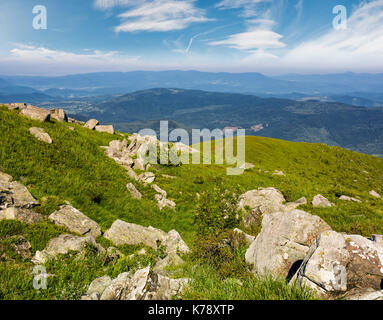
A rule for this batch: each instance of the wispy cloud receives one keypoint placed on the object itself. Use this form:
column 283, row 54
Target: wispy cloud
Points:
column 155, row 15
column 249, row 8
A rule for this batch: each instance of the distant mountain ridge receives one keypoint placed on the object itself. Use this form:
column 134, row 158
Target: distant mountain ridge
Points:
column 356, row 128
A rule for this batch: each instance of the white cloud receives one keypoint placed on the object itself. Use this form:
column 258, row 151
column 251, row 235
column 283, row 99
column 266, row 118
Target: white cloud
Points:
column 155, row 15
column 253, row 39
column 250, row 7
column 38, row 59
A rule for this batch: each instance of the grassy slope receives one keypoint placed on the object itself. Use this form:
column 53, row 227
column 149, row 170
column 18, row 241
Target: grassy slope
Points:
column 74, row 168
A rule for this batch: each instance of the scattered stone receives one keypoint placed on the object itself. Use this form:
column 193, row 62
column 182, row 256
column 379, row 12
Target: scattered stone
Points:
column 107, row 129
column 75, row 221
column 40, row 135
column 278, row 173
column 133, row 191
column 144, row 284
column 62, row 245
column 247, row 166
column 374, row 194
column 159, row 190
column 36, row 113
column 147, row 177
column 171, row 259
column 21, row 197
column 128, row 233
column 59, row 115
column 16, row 106
column 138, row 164
column 24, row 215
column 337, row 263
column 91, row 124
column 163, row 202
column 284, row 241
column 347, row 198
column 321, row 202
column 174, row 243
column 168, row 176
column 98, row 286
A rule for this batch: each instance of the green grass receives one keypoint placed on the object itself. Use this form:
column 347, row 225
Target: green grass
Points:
column 75, row 169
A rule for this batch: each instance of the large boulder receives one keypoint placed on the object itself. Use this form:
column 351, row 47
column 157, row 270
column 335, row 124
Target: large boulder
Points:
column 40, row 135
column 36, row 113
column 105, row 128
column 62, row 245
column 283, row 242
column 24, row 215
column 21, row 197
column 128, row 233
column 91, row 124
column 174, row 243
column 338, row 264
column 75, row 221
column 264, row 201
column 144, row 284
column 59, row 115
column 16, row 106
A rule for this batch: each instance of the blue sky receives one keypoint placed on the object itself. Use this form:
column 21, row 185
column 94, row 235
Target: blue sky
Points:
column 268, row 36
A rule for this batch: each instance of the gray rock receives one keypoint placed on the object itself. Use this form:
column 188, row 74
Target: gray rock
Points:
column 62, row 245
column 36, row 113
column 16, row 106
column 98, row 286
column 283, row 242
column 347, row 198
column 248, row 238
column 171, row 259
column 374, row 194
column 21, row 197
column 247, row 166
column 128, row 233
column 19, row 214
column 147, row 177
column 91, row 124
column 117, row 287
column 133, row 191
column 107, row 129
column 40, row 135
column 138, row 164
column 321, row 201
column 59, row 115
column 163, row 202
column 337, row 263
column 174, row 243
column 75, row 221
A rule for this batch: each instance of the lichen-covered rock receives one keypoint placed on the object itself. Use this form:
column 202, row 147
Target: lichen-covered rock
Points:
column 338, row 263
column 321, row 202
column 21, row 197
column 133, row 191
column 98, row 286
column 63, row 244
column 40, row 135
column 144, row 284
column 147, row 177
column 24, row 215
column 59, row 115
column 128, row 233
column 105, row 128
column 174, row 243
column 283, row 242
column 36, row 113
column 75, row 221
column 91, row 124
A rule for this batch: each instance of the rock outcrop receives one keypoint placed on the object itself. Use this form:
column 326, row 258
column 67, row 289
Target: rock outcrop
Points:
column 75, row 221
column 62, row 245
column 337, row 264
column 40, row 135
column 91, row 124
column 105, row 128
column 36, row 113
column 264, row 201
column 128, row 233
column 284, row 241
column 144, row 284
column 59, row 115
